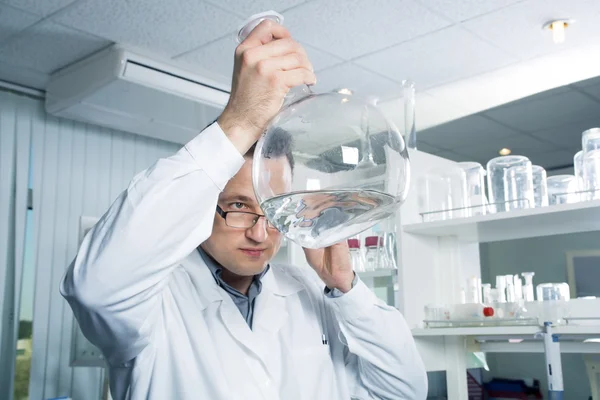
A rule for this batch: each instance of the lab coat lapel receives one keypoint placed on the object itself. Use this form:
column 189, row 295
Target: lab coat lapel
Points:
column 270, row 311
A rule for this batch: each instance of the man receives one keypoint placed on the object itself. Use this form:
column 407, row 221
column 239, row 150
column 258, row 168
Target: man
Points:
column 174, row 282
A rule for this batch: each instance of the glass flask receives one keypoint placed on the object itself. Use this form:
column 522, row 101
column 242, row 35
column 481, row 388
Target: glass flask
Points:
column 563, row 189
column 356, row 256
column 540, row 186
column 350, row 166
column 475, row 175
column 510, row 183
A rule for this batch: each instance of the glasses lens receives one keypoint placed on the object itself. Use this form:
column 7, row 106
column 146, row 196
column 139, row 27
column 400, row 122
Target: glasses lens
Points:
column 241, row 220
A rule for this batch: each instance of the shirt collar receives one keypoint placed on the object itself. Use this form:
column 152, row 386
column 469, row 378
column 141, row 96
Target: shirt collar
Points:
column 217, row 270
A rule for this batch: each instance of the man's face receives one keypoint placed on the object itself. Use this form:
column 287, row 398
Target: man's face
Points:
column 246, row 252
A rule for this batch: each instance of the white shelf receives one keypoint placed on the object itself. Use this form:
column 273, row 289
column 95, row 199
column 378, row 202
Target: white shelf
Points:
column 517, row 224
column 507, row 331
column 378, row 273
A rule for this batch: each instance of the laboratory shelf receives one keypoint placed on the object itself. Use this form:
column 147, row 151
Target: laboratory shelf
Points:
column 516, row 224
column 378, row 273
column 509, row 331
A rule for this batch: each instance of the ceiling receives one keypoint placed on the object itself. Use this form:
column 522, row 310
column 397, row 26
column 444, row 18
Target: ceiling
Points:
column 369, row 45
column 545, row 127
column 466, row 57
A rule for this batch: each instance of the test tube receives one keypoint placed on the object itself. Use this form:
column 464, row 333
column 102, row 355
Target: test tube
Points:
column 486, row 288
column 518, row 288
column 510, row 289
column 501, row 287
column 528, row 287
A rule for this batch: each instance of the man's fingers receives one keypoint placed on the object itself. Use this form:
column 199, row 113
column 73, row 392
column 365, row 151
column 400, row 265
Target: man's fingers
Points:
column 264, row 33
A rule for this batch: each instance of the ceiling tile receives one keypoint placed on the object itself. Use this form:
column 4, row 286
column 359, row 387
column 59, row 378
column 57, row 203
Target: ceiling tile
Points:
column 519, row 144
column 547, row 112
column 518, row 28
column 353, row 28
column 23, row 76
column 451, row 156
column 169, row 28
column 588, row 82
column 13, row 21
column 437, row 58
column 47, row 46
column 468, row 130
column 553, row 159
column 360, row 80
column 459, row 11
column 218, row 56
column 569, row 134
column 247, row 8
column 427, row 148
column 39, row 7
column 592, row 90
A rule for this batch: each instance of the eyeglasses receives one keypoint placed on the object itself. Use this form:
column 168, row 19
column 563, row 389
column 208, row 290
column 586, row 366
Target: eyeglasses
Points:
column 242, row 219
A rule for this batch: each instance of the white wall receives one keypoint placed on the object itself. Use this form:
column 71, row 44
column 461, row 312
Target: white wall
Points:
column 78, row 169
column 546, row 256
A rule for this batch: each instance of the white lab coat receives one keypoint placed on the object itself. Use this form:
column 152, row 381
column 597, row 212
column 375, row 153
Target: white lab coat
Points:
column 142, row 293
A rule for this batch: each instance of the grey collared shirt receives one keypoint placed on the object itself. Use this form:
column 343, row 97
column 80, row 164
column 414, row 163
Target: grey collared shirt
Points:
column 244, row 303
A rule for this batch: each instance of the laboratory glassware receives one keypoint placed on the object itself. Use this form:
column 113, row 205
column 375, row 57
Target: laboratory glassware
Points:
column 356, row 256
column 509, row 190
column 351, row 163
column 475, row 176
column 528, row 286
column 443, row 194
column 563, row 189
column 540, row 186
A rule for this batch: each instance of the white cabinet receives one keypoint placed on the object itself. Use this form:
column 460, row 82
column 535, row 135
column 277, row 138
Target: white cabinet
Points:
column 437, row 257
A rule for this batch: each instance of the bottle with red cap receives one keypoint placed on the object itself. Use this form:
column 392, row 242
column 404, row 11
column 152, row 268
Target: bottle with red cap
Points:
column 373, row 257
column 356, row 256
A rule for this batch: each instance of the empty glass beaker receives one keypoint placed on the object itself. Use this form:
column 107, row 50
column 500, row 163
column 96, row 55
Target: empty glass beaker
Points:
column 373, row 256
column 475, row 176
column 590, row 173
column 443, row 194
column 562, row 189
column 329, row 165
column 510, row 183
column 590, row 140
column 540, row 186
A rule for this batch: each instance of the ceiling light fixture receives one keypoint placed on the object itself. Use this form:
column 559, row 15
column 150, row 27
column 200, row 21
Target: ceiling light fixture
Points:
column 504, row 151
column 558, row 27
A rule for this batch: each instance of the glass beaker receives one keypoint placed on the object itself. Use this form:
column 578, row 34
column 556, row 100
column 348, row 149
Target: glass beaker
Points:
column 475, row 176
column 590, row 172
column 590, row 140
column 562, row 189
column 509, row 190
column 329, row 165
column 443, row 194
column 540, row 186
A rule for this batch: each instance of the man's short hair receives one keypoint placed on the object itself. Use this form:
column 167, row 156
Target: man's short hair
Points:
column 278, row 144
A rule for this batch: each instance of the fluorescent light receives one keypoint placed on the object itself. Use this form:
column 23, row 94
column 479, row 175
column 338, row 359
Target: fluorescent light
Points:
column 350, row 155
column 592, row 340
column 558, row 31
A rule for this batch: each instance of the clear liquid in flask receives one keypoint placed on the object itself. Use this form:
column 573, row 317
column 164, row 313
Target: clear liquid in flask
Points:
column 316, row 219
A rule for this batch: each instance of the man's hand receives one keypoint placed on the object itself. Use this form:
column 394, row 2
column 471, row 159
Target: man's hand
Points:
column 333, row 265
column 268, row 63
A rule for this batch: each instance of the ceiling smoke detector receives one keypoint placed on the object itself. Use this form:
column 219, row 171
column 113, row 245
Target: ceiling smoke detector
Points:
column 558, row 27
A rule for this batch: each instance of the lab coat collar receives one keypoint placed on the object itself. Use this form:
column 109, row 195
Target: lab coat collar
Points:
column 280, row 281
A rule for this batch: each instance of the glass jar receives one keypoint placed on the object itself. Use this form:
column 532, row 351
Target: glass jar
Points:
column 563, row 189
column 510, row 183
column 356, row 257
column 330, row 165
column 373, row 255
column 540, row 186
column 475, row 176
